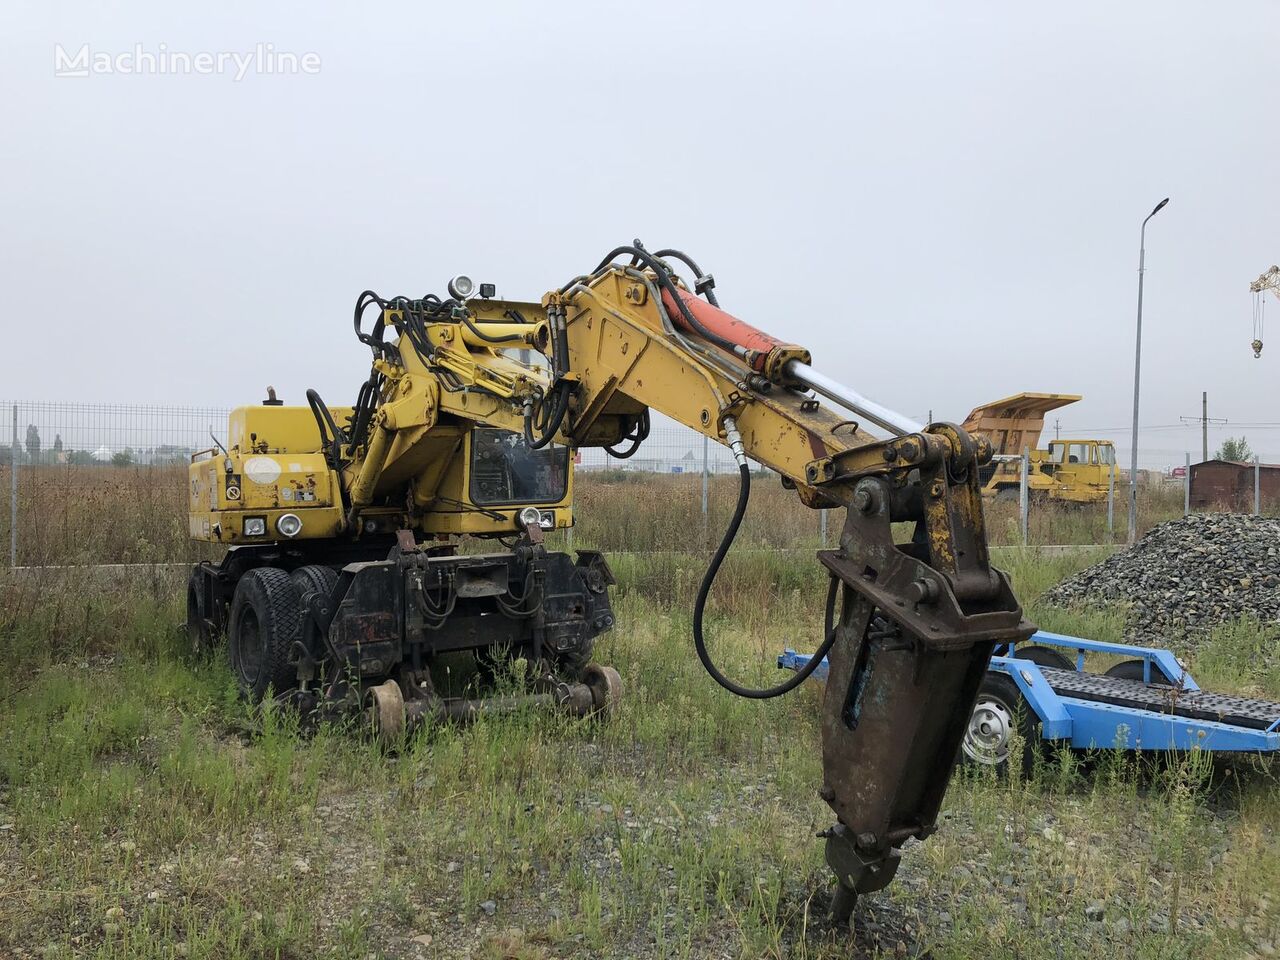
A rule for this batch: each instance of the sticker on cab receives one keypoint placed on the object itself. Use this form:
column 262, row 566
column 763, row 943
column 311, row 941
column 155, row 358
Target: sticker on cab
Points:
column 264, row 470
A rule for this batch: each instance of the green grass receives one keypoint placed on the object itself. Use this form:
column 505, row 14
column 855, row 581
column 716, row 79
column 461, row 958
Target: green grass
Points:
column 144, row 812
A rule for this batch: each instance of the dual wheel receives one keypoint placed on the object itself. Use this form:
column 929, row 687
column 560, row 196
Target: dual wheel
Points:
column 263, row 623
column 1002, row 717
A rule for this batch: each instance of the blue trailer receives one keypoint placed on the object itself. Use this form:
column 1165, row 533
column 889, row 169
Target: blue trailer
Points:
column 1147, row 701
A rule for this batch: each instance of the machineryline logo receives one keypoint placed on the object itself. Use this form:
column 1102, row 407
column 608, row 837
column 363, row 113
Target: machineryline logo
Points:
column 262, row 60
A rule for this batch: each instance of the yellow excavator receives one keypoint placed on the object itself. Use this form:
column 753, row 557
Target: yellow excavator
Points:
column 347, row 575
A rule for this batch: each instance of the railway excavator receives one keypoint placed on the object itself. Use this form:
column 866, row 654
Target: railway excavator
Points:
column 365, row 543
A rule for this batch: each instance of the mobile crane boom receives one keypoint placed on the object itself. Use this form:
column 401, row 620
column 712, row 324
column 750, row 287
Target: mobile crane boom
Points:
column 450, row 407
column 1269, row 280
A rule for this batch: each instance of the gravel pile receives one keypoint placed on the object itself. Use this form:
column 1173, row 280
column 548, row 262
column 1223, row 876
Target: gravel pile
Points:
column 1186, row 577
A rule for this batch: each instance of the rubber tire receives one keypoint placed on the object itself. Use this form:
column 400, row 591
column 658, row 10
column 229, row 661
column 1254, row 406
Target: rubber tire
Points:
column 267, row 603
column 1001, row 688
column 1043, row 656
column 201, row 636
column 314, row 578
column 1132, row 670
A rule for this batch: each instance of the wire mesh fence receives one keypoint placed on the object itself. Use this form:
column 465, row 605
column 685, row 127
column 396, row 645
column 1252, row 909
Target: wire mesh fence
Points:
column 107, row 483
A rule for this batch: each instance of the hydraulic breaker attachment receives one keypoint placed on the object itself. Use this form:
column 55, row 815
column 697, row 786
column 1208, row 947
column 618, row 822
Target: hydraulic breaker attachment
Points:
column 917, row 626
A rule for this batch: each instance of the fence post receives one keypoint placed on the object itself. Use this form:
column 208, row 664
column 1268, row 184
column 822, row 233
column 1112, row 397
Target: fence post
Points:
column 1257, row 486
column 822, row 527
column 1186, row 488
column 706, row 445
column 1023, row 499
column 13, row 493
column 1111, row 500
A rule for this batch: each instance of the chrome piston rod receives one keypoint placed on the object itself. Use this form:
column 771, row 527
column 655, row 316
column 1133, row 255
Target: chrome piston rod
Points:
column 883, row 417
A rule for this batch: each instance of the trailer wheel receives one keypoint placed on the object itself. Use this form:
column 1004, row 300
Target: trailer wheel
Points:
column 1132, row 670
column 999, row 712
column 265, row 616
column 201, row 631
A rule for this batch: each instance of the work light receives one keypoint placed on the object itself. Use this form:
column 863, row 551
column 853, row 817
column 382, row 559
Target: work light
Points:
column 461, row 287
column 289, row 525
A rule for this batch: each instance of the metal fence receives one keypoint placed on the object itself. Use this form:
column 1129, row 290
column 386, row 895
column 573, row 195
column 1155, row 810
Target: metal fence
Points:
column 106, row 482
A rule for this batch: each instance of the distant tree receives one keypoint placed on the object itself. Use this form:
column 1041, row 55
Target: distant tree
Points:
column 57, row 443
column 1235, row 448
column 80, row 458
column 33, row 442
column 123, row 458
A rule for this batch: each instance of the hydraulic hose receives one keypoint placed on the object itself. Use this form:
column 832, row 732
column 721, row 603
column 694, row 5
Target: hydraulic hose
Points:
column 636, row 435
column 699, row 607
column 638, row 253
column 330, row 435
column 703, row 283
column 560, row 406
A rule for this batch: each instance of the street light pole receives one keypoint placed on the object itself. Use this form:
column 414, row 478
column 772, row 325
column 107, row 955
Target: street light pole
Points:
column 1137, row 372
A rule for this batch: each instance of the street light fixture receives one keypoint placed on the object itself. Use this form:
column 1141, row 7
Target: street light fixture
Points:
column 1137, row 371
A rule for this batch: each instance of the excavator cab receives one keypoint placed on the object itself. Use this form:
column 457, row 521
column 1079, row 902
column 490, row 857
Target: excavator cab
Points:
column 505, row 471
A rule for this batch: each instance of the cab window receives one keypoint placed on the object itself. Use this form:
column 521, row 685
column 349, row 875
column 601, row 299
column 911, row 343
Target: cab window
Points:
column 505, row 470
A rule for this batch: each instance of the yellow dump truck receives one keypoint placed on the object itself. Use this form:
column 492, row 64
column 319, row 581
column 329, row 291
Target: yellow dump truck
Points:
column 1067, row 471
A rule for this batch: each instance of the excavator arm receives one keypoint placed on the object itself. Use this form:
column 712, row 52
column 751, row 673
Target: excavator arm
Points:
column 917, row 620
column 910, row 625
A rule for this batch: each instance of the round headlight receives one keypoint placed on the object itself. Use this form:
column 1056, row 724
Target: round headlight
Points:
column 461, row 287
column 530, row 517
column 289, row 525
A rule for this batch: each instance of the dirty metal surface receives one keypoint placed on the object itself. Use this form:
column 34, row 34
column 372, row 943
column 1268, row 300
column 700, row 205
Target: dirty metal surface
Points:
column 1195, row 705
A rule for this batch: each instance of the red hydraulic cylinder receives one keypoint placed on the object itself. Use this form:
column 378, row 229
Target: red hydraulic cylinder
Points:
column 725, row 325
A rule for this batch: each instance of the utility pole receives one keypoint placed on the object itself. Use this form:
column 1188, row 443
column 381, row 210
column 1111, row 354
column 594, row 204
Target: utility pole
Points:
column 1137, row 371
column 1204, row 425
column 1205, row 420
column 1057, row 429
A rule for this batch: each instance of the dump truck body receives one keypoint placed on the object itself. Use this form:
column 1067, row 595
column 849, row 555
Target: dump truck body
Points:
column 1068, row 471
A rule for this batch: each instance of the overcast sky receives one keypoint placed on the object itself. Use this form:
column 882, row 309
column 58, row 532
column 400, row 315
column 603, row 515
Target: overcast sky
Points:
column 942, row 201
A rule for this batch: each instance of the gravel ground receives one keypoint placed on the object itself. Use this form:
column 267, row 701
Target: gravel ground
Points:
column 1187, row 577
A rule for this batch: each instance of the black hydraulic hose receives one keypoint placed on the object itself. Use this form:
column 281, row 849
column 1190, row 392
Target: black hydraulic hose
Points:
column 638, row 252
column 330, row 435
column 699, row 605
column 374, row 338
column 509, row 338
column 698, row 275
column 636, row 436
column 560, row 406
column 366, row 406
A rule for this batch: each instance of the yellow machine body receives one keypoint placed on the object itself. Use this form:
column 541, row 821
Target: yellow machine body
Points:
column 274, row 466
